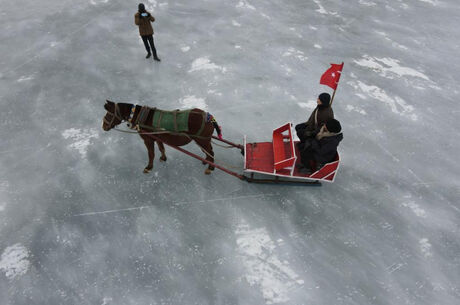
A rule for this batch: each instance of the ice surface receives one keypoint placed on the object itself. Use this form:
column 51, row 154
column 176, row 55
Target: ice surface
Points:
column 81, row 224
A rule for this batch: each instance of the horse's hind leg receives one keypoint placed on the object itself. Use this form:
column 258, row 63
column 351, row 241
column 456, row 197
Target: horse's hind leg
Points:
column 207, row 149
column 161, row 147
column 150, row 144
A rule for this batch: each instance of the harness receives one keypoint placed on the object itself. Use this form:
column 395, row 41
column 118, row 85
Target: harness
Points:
column 163, row 121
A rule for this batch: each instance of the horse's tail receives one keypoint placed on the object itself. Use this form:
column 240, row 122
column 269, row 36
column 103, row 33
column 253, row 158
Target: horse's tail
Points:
column 210, row 118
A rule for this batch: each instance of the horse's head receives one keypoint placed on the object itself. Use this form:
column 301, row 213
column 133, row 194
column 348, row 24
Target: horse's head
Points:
column 113, row 117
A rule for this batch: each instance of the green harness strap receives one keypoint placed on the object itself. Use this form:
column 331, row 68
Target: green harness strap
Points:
column 143, row 114
column 203, row 121
column 175, row 121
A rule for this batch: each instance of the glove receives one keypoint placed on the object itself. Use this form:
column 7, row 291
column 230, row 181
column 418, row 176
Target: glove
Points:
column 144, row 14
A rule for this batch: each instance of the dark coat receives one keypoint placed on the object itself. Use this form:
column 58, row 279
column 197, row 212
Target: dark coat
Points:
column 145, row 28
column 318, row 117
column 322, row 151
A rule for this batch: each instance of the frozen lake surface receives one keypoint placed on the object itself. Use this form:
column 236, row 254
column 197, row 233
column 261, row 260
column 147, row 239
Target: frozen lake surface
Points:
column 81, row 224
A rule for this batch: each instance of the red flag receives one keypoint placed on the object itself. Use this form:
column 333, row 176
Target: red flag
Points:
column 331, row 76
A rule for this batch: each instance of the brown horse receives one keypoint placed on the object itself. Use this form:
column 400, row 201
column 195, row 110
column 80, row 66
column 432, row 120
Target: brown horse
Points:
column 198, row 131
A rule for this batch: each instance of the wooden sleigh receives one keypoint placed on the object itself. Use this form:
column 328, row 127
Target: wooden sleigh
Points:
column 274, row 162
column 277, row 161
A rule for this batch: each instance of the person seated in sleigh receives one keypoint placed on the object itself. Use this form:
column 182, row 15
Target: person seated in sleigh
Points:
column 322, row 148
column 318, row 117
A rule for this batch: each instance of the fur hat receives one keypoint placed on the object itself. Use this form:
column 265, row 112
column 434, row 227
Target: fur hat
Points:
column 141, row 7
column 333, row 126
column 325, row 99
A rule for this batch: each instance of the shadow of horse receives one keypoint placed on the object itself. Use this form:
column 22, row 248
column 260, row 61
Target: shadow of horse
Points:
column 200, row 128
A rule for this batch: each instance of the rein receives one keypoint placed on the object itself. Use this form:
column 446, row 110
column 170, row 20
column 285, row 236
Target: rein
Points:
column 160, row 132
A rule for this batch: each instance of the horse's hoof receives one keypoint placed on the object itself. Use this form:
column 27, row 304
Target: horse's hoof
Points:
column 146, row 171
column 207, row 171
column 163, row 159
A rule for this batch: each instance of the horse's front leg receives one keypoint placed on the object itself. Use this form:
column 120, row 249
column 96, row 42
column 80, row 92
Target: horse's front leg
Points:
column 207, row 149
column 161, row 147
column 149, row 143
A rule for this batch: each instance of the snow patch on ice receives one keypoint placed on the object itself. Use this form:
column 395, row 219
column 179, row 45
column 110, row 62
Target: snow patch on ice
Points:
column 4, row 184
column 387, row 67
column 265, row 16
column 287, row 69
column 425, row 247
column 404, row 6
column 96, row 2
column 2, row 206
column 106, row 301
column 152, row 4
column 245, row 4
column 318, row 46
column 432, row 2
column 321, row 9
column 295, row 53
column 309, row 105
column 24, row 78
column 214, row 92
column 264, row 269
column 351, row 108
column 185, row 49
column 237, row 47
column 235, row 23
column 203, row 63
column 81, row 138
column 292, row 97
column 191, row 101
column 394, row 44
column 14, row 261
column 314, row 28
column 367, row 3
column 415, row 208
column 397, row 104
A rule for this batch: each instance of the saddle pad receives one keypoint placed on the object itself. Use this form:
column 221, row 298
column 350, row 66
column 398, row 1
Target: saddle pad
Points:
column 176, row 120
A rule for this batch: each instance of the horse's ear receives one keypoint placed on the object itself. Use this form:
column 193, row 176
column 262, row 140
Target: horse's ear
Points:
column 107, row 104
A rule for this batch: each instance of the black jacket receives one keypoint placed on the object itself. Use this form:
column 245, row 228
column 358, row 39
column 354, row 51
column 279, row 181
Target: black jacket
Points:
column 324, row 150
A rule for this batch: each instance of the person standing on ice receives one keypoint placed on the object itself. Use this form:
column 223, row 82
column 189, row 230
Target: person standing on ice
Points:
column 142, row 19
column 322, row 113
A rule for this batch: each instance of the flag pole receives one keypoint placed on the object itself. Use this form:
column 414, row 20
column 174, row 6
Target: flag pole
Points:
column 333, row 94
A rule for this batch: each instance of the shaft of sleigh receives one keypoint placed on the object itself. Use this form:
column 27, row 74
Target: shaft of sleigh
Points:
column 201, row 159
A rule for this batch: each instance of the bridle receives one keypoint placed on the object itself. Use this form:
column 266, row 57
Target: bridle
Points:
column 114, row 115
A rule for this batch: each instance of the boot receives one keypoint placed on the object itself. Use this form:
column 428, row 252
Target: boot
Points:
column 148, row 55
column 156, row 58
